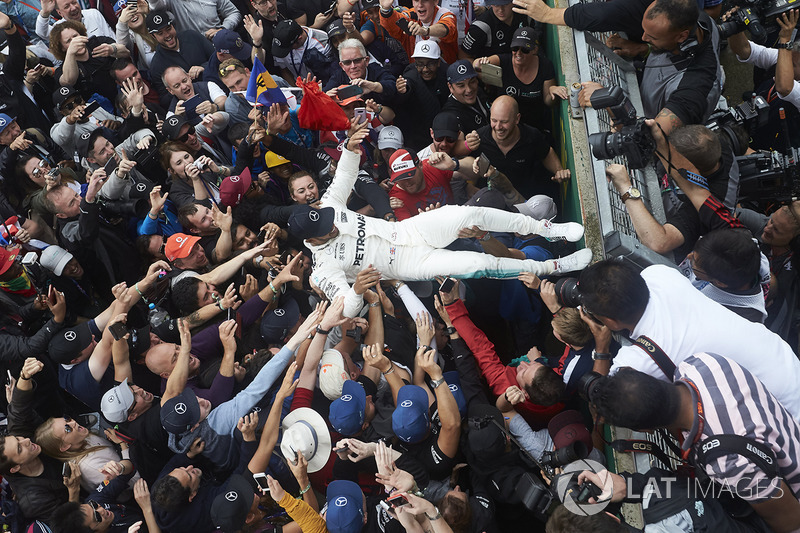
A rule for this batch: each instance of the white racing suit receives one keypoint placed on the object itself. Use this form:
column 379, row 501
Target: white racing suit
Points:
column 410, row 250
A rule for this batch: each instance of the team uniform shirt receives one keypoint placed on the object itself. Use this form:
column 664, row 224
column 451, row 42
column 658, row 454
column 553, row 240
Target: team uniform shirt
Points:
column 489, row 35
column 529, row 96
column 464, row 10
column 470, row 117
column 437, row 190
column 294, row 62
column 683, row 322
column 521, row 164
column 448, row 44
column 736, row 403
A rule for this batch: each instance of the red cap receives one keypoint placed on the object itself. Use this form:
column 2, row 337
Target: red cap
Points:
column 567, row 427
column 233, row 188
column 7, row 257
column 179, row 245
column 402, row 165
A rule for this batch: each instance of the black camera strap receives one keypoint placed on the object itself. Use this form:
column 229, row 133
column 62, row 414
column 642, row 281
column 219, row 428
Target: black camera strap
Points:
column 717, row 446
column 659, row 357
column 642, row 446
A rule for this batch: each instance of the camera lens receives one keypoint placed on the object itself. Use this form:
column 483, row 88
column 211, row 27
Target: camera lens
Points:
column 587, row 385
column 567, row 292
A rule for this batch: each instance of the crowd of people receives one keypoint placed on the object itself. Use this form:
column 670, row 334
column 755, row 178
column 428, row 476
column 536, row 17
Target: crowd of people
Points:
column 218, row 317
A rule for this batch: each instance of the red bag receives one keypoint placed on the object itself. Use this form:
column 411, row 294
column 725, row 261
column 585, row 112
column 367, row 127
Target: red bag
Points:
column 318, row 111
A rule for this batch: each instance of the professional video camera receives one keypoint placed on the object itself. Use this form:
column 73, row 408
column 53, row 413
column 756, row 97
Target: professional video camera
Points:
column 633, row 140
column 757, row 16
column 768, row 178
column 738, row 123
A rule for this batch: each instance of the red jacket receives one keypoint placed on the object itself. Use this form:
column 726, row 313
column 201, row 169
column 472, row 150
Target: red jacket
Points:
column 499, row 376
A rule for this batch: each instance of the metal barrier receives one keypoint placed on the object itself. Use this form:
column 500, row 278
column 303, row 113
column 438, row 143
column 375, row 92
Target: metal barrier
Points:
column 597, row 62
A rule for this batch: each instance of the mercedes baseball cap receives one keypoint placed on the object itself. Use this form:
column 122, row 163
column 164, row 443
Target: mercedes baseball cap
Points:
column 66, row 345
column 348, row 412
column 460, row 70
column 117, row 402
column 335, row 29
column 402, row 165
column 158, row 19
column 228, row 42
column 172, row 127
column 55, row 258
column 276, row 324
column 410, row 419
column 5, row 121
column 284, row 36
column 181, row 413
column 485, row 437
column 233, row 188
column 7, row 258
column 307, row 222
column 390, row 137
column 345, row 507
column 427, row 49
column 445, row 125
column 62, row 94
column 454, row 383
column 525, row 37
column 366, row 4
column 230, row 508
column 84, row 142
column 568, row 427
column 179, row 245
column 540, row 207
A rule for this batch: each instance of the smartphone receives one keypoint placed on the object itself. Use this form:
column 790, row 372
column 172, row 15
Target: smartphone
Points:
column 91, row 107
column 345, row 447
column 447, row 285
column 230, row 313
column 285, row 258
column 110, row 166
column 349, row 92
column 261, row 236
column 492, row 74
column 483, row 165
column 397, row 501
column 66, row 470
column 330, row 9
column 402, row 23
column 10, row 377
column 191, row 104
column 261, row 481
column 118, row 330
column 361, row 113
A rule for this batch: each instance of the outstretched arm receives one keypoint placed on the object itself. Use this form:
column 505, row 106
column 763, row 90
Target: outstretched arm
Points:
column 180, row 374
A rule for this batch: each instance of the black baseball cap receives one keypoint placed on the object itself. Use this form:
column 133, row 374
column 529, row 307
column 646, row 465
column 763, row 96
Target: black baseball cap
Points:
column 284, row 36
column 445, row 125
column 336, row 28
column 525, row 37
column 158, row 19
column 460, row 70
column 172, row 126
column 62, row 94
column 307, row 222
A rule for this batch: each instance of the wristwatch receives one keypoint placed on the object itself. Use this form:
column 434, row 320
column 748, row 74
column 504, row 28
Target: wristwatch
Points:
column 449, row 331
column 792, row 46
column 599, row 356
column 436, row 382
column 631, row 194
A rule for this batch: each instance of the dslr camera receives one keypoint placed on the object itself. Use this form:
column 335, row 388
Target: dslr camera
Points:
column 633, row 140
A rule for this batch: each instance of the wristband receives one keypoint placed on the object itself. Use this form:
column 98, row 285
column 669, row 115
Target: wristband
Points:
column 437, row 516
column 376, row 304
column 486, row 237
column 308, row 488
column 388, row 371
column 322, row 331
column 140, row 294
column 221, row 307
column 457, row 163
column 23, row 378
column 558, row 310
column 274, row 291
column 467, row 145
column 599, row 356
column 386, row 13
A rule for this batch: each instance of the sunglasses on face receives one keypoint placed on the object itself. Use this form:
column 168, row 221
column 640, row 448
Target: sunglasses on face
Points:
column 67, row 427
column 95, row 511
column 348, row 62
column 185, row 137
column 445, row 139
column 69, row 106
column 525, row 51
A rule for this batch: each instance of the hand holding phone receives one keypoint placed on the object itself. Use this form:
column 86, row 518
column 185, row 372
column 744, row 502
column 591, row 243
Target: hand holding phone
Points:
column 261, row 480
column 118, row 330
column 90, row 108
column 397, row 501
column 447, row 285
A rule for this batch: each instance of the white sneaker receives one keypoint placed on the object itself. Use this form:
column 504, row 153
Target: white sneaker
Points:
column 577, row 261
column 569, row 231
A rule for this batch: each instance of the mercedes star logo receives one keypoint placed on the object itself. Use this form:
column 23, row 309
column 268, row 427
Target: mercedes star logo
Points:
column 425, row 48
column 313, row 216
column 64, row 90
column 70, row 335
column 231, row 496
column 172, row 121
column 406, row 403
column 2, row 122
column 346, row 398
column 180, row 408
column 234, row 179
column 141, row 187
column 85, row 135
column 462, row 69
column 341, row 501
column 280, row 311
column 157, row 19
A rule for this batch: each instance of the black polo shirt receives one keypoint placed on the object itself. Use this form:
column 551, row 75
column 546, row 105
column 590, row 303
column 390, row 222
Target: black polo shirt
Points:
column 470, row 117
column 522, row 164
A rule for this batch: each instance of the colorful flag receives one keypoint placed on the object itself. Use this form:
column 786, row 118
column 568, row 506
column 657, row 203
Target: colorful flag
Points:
column 262, row 89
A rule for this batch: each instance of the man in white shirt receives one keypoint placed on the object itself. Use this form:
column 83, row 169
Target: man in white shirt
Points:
column 95, row 24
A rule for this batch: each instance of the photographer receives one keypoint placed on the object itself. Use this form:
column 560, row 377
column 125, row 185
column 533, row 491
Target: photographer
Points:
column 750, row 445
column 650, row 306
column 784, row 62
column 682, row 77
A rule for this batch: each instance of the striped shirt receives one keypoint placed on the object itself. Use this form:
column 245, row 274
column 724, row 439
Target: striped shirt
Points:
column 736, row 403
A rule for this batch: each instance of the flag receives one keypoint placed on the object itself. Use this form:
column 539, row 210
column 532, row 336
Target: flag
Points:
column 262, row 89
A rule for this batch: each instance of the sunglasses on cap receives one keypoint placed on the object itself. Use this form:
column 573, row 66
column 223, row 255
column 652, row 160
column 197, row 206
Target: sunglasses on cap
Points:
column 445, row 139
column 348, row 62
column 520, row 49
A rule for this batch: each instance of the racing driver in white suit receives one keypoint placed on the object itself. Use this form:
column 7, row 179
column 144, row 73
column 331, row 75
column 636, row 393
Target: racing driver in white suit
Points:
column 344, row 242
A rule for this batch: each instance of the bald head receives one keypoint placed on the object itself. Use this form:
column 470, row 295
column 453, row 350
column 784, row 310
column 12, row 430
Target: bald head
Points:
column 504, row 118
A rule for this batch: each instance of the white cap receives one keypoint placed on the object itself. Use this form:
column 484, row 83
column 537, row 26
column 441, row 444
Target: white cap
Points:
column 540, row 207
column 332, row 374
column 55, row 258
column 428, row 49
column 390, row 137
column 306, row 432
column 116, row 402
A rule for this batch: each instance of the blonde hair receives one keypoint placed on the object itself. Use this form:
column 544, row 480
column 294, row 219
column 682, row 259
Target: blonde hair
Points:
column 571, row 327
column 51, row 445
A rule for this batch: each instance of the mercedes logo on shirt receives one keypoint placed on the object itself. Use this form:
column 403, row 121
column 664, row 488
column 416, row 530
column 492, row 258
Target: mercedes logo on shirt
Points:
column 85, row 135
column 231, row 496
column 279, row 312
column 70, row 335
